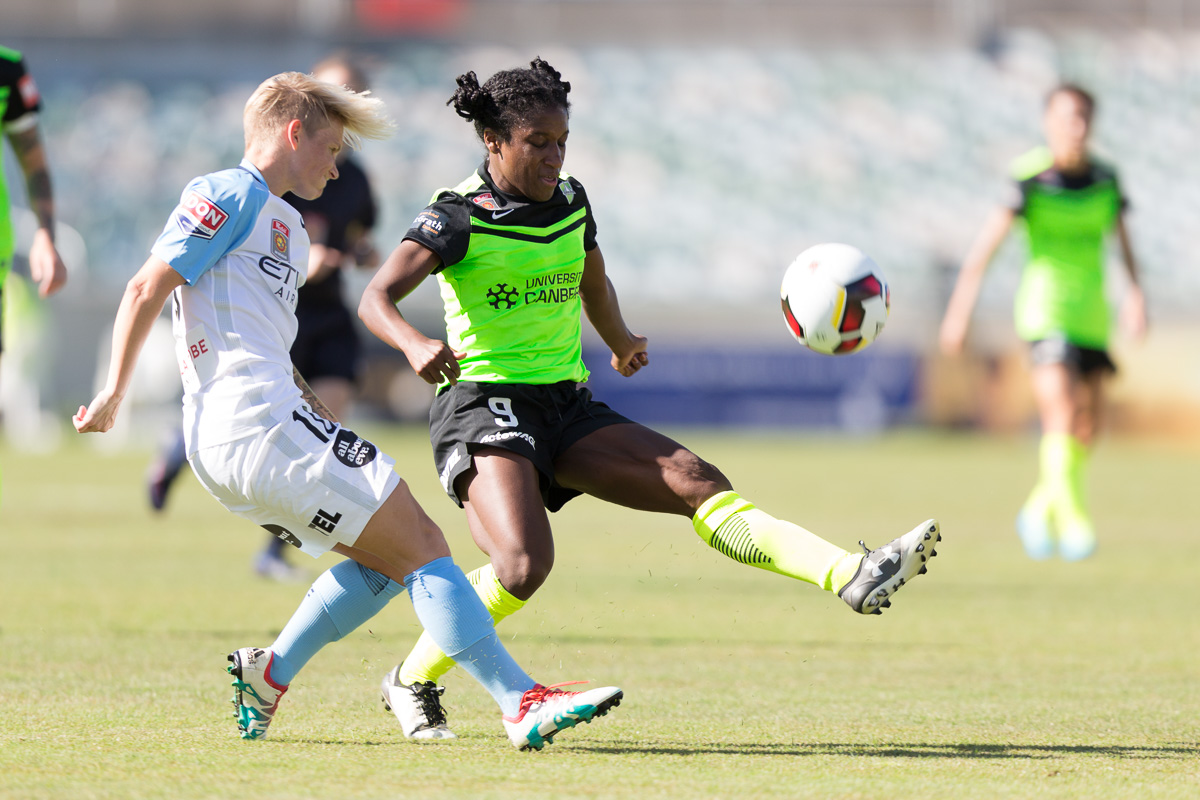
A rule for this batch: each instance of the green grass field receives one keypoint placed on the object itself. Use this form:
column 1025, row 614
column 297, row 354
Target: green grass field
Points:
column 991, row 677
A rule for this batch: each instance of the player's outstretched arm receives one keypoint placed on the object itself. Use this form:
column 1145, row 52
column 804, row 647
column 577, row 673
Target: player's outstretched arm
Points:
column 143, row 301
column 604, row 312
column 45, row 265
column 966, row 289
column 403, row 271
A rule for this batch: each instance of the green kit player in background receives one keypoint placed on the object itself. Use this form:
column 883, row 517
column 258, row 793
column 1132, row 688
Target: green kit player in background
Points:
column 1069, row 203
column 19, row 107
column 514, row 435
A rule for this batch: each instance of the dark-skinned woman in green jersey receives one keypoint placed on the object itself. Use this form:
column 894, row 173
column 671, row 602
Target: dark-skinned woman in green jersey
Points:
column 514, row 435
column 1069, row 203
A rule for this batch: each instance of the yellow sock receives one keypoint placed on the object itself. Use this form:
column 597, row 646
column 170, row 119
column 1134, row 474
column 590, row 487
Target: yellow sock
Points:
column 426, row 661
column 1064, row 463
column 1040, row 502
column 735, row 527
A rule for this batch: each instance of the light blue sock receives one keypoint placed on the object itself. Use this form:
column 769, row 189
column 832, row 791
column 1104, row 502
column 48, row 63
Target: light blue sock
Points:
column 456, row 619
column 341, row 598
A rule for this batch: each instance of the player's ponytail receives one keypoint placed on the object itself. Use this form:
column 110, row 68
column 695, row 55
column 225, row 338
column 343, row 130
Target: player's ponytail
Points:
column 471, row 102
column 510, row 97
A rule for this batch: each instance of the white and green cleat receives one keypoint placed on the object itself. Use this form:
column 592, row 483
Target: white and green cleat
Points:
column 884, row 570
column 547, row 710
column 256, row 696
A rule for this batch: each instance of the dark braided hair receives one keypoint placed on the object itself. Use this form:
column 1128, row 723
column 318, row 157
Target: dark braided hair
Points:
column 510, row 98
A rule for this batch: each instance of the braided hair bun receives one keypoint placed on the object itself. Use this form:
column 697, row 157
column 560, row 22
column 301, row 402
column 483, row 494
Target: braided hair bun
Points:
column 509, row 98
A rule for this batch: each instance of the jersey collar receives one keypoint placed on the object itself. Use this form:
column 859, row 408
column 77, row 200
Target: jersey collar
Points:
column 509, row 198
column 253, row 170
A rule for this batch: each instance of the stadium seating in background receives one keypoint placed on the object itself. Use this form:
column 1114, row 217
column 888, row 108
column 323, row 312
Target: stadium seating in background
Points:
column 765, row 388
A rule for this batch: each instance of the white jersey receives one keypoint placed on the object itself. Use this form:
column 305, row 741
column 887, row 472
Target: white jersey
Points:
column 234, row 321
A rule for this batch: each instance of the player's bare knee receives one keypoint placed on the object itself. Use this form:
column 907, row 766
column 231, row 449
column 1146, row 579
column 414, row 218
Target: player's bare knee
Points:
column 696, row 479
column 402, row 533
column 522, row 573
column 428, row 537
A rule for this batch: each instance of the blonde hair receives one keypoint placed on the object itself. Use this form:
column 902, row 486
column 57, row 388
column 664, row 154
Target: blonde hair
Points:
column 293, row 95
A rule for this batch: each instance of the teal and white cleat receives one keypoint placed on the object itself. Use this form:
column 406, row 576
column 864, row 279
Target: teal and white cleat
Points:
column 546, row 710
column 256, row 696
column 885, row 569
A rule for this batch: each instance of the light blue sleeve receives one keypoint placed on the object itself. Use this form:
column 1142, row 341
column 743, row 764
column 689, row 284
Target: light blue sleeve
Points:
column 215, row 215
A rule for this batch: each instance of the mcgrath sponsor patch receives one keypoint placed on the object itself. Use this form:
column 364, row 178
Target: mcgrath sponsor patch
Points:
column 429, row 223
column 279, row 240
column 353, row 450
column 199, row 216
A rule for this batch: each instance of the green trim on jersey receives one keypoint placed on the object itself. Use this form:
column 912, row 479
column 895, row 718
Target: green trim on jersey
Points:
column 7, row 239
column 512, row 303
column 1062, row 287
column 8, row 242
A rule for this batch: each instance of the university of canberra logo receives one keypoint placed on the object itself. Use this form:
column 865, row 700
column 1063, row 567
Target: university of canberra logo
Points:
column 502, row 296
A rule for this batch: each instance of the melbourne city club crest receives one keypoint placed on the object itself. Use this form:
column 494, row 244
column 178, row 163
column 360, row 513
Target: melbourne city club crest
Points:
column 279, row 240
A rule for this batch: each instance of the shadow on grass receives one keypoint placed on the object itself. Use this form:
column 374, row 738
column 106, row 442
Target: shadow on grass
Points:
column 966, row 750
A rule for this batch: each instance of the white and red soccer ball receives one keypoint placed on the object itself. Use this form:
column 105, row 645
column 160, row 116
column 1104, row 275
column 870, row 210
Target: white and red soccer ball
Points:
column 835, row 299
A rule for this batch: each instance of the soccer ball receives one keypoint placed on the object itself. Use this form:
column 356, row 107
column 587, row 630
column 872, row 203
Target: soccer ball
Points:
column 835, row 299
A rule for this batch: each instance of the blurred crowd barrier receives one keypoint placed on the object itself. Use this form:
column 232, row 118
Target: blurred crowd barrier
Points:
column 709, row 167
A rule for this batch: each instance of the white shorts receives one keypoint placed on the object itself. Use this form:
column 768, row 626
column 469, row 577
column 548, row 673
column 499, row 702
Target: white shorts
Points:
column 308, row 481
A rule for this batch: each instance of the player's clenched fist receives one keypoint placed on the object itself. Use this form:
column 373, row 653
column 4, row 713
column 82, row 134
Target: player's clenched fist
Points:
column 99, row 416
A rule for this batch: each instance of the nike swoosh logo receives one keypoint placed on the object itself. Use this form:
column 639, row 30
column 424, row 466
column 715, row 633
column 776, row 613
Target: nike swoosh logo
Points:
column 499, row 214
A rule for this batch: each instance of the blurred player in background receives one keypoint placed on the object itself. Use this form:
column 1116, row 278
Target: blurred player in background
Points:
column 265, row 446
column 1069, row 203
column 339, row 224
column 514, row 248
column 19, row 106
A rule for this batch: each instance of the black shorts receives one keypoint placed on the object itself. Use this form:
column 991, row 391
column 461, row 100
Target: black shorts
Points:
column 539, row 422
column 326, row 344
column 1084, row 361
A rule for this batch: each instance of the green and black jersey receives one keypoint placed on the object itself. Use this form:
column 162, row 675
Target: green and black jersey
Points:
column 510, row 277
column 18, row 98
column 1067, row 218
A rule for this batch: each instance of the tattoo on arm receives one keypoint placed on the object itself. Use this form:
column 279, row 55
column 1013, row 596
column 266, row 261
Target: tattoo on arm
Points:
column 27, row 146
column 311, row 398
